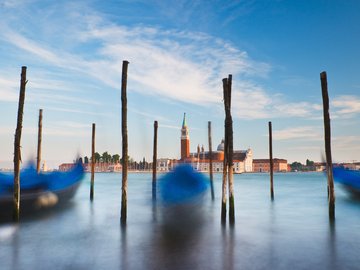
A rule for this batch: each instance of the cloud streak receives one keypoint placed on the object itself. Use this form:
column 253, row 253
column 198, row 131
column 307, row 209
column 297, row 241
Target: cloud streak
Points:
column 303, row 133
column 174, row 65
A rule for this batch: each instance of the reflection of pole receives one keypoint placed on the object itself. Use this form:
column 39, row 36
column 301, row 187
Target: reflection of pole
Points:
column 17, row 150
column 327, row 131
column 271, row 163
column 38, row 161
column 210, row 162
column 92, row 162
column 154, row 161
column 124, row 143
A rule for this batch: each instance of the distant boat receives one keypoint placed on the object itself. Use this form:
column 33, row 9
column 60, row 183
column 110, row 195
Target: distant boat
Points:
column 39, row 191
column 350, row 179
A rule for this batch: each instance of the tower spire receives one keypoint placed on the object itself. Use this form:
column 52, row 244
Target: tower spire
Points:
column 185, row 140
column 184, row 121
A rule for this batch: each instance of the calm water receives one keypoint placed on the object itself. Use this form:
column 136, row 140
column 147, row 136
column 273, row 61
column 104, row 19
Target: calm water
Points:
column 292, row 232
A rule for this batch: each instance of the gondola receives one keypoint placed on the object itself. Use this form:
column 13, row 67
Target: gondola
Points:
column 350, row 180
column 39, row 191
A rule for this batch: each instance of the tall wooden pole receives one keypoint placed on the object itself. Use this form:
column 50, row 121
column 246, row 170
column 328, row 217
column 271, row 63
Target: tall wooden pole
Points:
column 17, row 149
column 327, row 131
column 271, row 163
column 154, row 161
column 225, row 164
column 229, row 124
column 38, row 160
column 210, row 162
column 124, row 143
column 92, row 162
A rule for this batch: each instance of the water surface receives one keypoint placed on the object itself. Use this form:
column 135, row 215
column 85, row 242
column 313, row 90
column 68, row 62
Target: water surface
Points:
column 291, row 232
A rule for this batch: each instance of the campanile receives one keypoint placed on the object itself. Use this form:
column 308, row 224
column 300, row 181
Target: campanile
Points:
column 185, row 140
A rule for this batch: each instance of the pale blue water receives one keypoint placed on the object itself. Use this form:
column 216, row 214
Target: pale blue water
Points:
column 292, row 232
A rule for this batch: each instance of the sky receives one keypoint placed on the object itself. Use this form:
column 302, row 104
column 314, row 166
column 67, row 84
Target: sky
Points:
column 178, row 53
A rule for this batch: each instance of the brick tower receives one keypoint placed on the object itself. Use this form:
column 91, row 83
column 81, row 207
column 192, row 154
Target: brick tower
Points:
column 185, row 140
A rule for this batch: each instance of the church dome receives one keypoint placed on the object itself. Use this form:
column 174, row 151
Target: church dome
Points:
column 221, row 146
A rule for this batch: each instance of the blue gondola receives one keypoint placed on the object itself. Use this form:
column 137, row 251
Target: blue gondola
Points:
column 39, row 191
column 350, row 179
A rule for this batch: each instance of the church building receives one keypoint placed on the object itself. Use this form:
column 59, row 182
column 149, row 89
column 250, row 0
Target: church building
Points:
column 200, row 160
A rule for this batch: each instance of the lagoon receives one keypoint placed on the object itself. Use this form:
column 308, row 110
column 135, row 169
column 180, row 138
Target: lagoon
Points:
column 291, row 232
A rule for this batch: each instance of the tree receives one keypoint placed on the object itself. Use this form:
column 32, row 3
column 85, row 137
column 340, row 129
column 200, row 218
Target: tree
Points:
column 97, row 157
column 86, row 160
column 296, row 166
column 105, row 157
column 310, row 165
column 116, row 158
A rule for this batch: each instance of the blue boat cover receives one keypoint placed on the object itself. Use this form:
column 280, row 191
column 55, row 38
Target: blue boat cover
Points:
column 346, row 177
column 31, row 180
column 182, row 185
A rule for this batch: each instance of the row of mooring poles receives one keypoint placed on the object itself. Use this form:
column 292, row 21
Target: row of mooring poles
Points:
column 17, row 147
column 228, row 155
column 327, row 135
column 271, row 163
column 92, row 162
column 154, row 161
column 38, row 159
column 124, row 134
column 210, row 162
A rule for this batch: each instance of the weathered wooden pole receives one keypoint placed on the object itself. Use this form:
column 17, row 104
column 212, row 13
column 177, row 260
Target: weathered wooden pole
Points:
column 124, row 143
column 229, row 127
column 327, row 131
column 92, row 162
column 154, row 161
column 210, row 162
column 38, row 160
column 17, row 149
column 225, row 167
column 271, row 163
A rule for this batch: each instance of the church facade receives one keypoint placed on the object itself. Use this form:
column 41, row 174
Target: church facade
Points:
column 200, row 160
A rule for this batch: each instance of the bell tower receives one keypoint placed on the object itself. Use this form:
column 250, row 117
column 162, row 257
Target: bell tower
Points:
column 185, row 140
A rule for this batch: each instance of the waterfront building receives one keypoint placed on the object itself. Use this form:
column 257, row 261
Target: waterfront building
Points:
column 99, row 167
column 263, row 165
column 163, row 164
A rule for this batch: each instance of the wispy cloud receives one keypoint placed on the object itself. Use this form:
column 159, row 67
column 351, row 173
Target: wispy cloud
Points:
column 347, row 142
column 149, row 115
column 7, row 92
column 305, row 132
column 174, row 65
column 346, row 106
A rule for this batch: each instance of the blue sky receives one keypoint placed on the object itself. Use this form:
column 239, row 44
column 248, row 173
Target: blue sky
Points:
column 179, row 51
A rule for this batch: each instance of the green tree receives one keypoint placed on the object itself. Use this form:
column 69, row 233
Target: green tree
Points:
column 310, row 165
column 97, row 157
column 106, row 157
column 296, row 166
column 116, row 158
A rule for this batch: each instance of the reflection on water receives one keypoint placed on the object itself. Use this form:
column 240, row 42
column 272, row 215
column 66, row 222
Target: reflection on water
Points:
column 292, row 232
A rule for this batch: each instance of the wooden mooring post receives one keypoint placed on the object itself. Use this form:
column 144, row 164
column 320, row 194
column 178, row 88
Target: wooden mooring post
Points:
column 17, row 147
column 154, row 161
column 327, row 131
column 271, row 163
column 211, row 173
column 38, row 159
column 229, row 128
column 124, row 133
column 228, row 155
column 92, row 162
column 225, row 167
